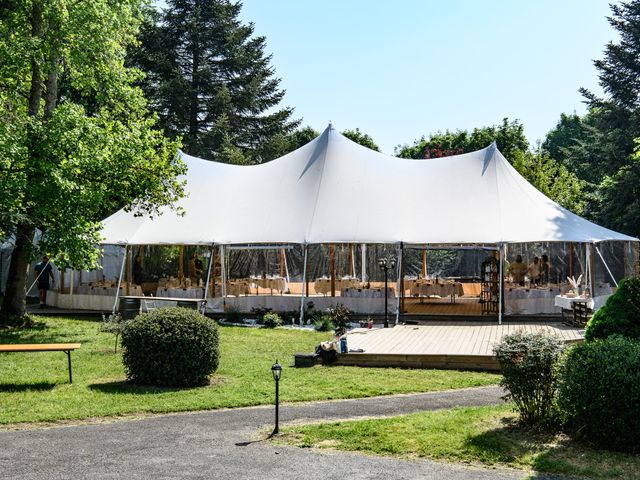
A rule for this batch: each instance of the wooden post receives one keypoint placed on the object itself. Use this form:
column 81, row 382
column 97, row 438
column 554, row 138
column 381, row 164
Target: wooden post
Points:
column 181, row 264
column 282, row 262
column 129, row 268
column 332, row 268
column 625, row 261
column 571, row 259
column 424, row 263
column 352, row 273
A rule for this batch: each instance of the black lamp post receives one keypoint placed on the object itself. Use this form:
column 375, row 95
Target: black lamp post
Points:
column 276, row 371
column 385, row 264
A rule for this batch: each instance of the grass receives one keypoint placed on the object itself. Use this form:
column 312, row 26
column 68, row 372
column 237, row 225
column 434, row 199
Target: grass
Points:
column 479, row 435
column 34, row 387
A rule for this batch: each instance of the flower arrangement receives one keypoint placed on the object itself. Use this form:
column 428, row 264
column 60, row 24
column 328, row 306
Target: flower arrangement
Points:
column 575, row 285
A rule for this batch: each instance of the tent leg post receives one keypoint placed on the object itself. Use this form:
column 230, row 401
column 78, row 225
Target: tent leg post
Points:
column 399, row 283
column 206, row 285
column 124, row 260
column 500, row 287
column 304, row 281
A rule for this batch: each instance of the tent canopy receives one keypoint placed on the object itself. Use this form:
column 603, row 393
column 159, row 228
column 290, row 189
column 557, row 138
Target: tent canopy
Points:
column 333, row 190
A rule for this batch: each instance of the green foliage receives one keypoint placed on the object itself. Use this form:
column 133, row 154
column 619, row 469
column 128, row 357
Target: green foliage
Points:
column 324, row 324
column 113, row 324
column 170, row 347
column 272, row 320
column 76, row 139
column 599, row 392
column 210, row 81
column 529, row 374
column 361, row 138
column 620, row 315
column 551, row 178
column 340, row 316
column 233, row 314
column 509, row 136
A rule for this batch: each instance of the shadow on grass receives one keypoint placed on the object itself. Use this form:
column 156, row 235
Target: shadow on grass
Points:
column 123, row 386
column 25, row 387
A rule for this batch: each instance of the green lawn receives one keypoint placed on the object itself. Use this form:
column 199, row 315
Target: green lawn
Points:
column 485, row 435
column 34, row 388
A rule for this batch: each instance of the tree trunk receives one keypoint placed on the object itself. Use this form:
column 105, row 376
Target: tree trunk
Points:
column 14, row 302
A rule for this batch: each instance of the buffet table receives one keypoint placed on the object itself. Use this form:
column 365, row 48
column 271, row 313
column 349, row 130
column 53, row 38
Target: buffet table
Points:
column 526, row 301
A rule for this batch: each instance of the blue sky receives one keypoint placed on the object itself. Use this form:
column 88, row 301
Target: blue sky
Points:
column 406, row 68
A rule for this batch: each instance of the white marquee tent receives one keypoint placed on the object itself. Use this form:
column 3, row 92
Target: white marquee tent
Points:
column 333, row 190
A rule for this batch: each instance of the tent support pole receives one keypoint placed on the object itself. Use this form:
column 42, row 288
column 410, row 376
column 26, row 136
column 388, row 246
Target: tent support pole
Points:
column 625, row 261
column 206, row 285
column 332, row 268
column 364, row 262
column 501, row 260
column 605, row 265
column 304, row 282
column 399, row 283
column 286, row 269
column 223, row 272
column 591, row 258
column 124, row 259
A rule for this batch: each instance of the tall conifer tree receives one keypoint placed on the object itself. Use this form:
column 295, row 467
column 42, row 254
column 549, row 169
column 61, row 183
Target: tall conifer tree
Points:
column 211, row 82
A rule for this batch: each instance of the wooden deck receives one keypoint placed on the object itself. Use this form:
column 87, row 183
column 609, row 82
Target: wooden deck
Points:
column 452, row 344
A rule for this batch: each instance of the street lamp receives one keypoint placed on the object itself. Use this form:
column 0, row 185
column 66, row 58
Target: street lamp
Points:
column 276, row 371
column 385, row 264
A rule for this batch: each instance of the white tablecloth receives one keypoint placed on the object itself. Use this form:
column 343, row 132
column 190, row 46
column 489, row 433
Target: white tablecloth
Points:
column 107, row 291
column 323, row 285
column 271, row 283
column 180, row 292
column 567, row 302
column 525, row 301
column 366, row 292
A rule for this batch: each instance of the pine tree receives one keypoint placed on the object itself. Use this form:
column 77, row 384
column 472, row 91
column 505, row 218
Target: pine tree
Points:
column 210, row 81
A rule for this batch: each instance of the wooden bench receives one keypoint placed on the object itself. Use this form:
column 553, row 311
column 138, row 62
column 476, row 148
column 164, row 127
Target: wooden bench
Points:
column 43, row 347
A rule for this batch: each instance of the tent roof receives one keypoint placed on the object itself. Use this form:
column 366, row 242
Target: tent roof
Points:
column 334, row 190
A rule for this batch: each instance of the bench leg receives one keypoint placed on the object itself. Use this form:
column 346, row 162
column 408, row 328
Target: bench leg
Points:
column 68, row 352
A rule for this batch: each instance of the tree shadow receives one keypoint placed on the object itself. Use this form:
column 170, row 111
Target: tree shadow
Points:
column 124, row 386
column 25, row 387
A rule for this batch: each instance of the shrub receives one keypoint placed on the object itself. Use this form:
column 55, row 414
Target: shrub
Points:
column 528, row 362
column 271, row 320
column 260, row 312
column 340, row 317
column 290, row 317
column 599, row 392
column 620, row 315
column 324, row 324
column 233, row 315
column 170, row 347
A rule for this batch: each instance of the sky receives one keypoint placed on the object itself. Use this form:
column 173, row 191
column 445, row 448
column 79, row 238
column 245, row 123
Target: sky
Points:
column 399, row 70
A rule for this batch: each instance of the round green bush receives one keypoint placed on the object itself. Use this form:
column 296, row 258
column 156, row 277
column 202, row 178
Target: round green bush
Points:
column 619, row 315
column 528, row 362
column 170, row 347
column 272, row 320
column 599, row 392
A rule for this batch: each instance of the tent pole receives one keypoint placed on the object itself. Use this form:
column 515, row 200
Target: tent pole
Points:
column 424, row 262
column 605, row 265
column 332, row 268
column 124, row 259
column 399, row 283
column 223, row 273
column 304, row 280
column 364, row 262
column 501, row 260
column 129, row 269
column 625, row 261
column 591, row 260
column 206, row 285
column 286, row 269
column 571, row 259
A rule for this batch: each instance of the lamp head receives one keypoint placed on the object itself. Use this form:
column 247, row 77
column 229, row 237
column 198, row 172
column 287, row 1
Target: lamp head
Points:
column 276, row 371
column 382, row 263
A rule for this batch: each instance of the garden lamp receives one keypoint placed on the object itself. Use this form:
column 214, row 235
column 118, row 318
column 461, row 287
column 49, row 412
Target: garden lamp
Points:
column 276, row 371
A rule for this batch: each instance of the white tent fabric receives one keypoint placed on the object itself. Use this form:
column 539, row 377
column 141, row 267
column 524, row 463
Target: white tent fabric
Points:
column 333, row 190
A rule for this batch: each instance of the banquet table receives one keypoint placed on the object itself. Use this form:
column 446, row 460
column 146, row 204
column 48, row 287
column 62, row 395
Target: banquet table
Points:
column 238, row 287
column 171, row 292
column 106, row 291
column 271, row 283
column 323, row 285
column 366, row 292
column 566, row 303
column 429, row 288
column 524, row 301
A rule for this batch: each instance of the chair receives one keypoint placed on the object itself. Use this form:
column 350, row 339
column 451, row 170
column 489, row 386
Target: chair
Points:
column 149, row 305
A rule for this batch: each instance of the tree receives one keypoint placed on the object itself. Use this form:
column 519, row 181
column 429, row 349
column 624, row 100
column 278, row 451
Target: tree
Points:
column 542, row 171
column 76, row 140
column 210, row 81
column 509, row 136
column 617, row 123
column 361, row 138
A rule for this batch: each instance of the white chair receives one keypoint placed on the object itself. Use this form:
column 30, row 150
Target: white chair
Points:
column 149, row 305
